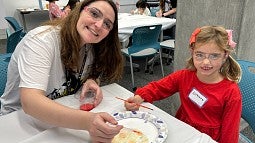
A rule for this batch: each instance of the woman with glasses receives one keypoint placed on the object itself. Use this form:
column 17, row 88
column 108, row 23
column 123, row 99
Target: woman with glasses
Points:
column 209, row 93
column 61, row 57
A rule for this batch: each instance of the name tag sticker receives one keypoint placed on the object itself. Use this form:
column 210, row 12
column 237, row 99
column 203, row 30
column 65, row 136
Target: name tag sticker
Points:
column 196, row 97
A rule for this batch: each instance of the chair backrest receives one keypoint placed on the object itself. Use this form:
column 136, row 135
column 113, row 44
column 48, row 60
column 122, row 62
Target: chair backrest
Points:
column 145, row 37
column 13, row 40
column 247, row 87
column 13, row 22
column 4, row 62
column 154, row 10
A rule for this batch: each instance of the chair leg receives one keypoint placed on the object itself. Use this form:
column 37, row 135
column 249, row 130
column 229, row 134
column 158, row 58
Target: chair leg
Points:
column 161, row 63
column 152, row 63
column 170, row 56
column 146, row 70
column 132, row 71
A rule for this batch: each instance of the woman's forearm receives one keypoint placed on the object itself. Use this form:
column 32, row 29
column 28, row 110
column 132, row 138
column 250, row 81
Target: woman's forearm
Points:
column 36, row 104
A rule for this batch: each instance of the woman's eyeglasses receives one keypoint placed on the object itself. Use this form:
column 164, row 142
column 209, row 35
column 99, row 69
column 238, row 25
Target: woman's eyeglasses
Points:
column 200, row 56
column 97, row 15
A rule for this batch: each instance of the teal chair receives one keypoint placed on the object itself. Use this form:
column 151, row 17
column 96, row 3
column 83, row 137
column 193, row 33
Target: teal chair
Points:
column 12, row 41
column 154, row 10
column 247, row 87
column 4, row 62
column 144, row 45
column 15, row 25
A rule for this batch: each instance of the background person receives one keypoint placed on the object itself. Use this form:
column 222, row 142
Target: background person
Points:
column 209, row 94
column 141, row 8
column 71, row 4
column 63, row 58
column 167, row 8
column 117, row 3
column 55, row 12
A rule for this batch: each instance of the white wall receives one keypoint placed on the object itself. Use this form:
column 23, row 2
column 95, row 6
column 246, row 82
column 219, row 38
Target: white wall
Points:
column 9, row 8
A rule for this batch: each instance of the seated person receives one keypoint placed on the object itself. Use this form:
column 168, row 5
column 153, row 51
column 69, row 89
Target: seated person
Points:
column 71, row 4
column 117, row 3
column 210, row 98
column 55, row 12
column 141, row 8
column 167, row 8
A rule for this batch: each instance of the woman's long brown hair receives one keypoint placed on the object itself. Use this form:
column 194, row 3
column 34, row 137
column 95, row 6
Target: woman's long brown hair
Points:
column 108, row 60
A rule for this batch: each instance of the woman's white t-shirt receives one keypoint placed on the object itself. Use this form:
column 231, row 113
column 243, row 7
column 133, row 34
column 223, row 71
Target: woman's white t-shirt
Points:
column 36, row 63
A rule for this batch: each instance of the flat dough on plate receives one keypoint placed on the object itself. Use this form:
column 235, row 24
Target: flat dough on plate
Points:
column 130, row 136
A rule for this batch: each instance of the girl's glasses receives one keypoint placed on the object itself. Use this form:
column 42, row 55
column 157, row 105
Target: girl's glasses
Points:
column 200, row 56
column 97, row 15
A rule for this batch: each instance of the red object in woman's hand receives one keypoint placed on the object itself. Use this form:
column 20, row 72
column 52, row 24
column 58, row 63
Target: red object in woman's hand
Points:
column 87, row 107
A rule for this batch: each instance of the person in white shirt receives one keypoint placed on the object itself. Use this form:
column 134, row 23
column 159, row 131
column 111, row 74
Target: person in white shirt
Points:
column 141, row 8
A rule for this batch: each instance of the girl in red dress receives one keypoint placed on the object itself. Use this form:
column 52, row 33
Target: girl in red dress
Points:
column 208, row 89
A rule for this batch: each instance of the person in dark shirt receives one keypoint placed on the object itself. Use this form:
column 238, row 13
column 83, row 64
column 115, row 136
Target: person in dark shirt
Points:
column 167, row 8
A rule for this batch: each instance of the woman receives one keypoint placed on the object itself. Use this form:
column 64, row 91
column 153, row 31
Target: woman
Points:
column 58, row 58
column 167, row 8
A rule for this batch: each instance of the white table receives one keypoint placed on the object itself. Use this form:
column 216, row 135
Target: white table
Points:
column 23, row 12
column 18, row 127
column 128, row 22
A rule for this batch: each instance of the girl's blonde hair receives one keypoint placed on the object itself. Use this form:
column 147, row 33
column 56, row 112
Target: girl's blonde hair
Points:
column 230, row 68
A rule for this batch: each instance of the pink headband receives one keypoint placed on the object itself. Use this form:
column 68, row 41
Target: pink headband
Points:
column 231, row 43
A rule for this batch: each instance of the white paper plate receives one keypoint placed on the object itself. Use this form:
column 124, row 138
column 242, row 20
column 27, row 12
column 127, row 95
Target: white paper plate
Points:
column 153, row 127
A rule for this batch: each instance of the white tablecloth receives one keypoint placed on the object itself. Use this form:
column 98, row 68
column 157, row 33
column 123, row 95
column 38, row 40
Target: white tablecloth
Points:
column 127, row 23
column 17, row 127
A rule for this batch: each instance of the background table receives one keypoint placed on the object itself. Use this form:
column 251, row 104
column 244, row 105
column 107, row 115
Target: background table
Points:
column 27, row 11
column 18, row 127
column 128, row 22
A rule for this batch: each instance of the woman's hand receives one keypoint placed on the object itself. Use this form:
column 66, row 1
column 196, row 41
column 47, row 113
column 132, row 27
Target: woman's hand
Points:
column 100, row 131
column 92, row 85
column 159, row 13
column 133, row 102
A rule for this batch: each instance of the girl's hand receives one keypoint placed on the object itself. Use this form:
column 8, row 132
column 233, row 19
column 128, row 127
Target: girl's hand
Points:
column 132, row 103
column 100, row 131
column 92, row 85
column 132, row 11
